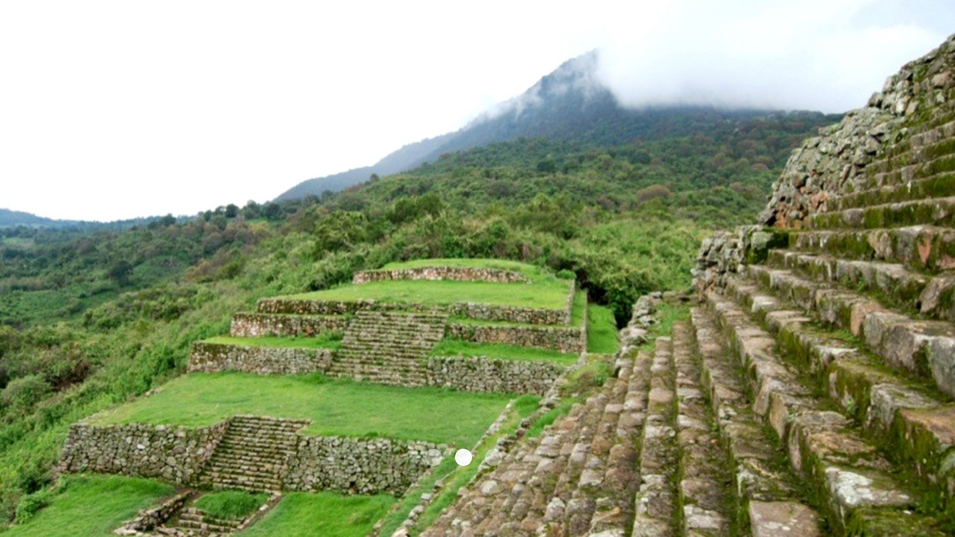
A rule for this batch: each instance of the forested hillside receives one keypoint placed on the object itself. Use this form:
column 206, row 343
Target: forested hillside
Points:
column 90, row 319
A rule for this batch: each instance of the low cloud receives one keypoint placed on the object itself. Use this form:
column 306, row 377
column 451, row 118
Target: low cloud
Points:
column 824, row 55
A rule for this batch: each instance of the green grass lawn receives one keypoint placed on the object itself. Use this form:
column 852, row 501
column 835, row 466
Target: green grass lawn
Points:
column 336, row 407
column 92, row 506
column 533, row 273
column 326, row 340
column 601, row 330
column 457, row 347
column 325, row 513
column 545, row 295
column 226, row 504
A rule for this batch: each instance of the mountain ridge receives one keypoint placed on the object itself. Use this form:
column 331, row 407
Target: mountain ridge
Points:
column 568, row 104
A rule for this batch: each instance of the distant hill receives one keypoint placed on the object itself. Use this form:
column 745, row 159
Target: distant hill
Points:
column 569, row 104
column 9, row 218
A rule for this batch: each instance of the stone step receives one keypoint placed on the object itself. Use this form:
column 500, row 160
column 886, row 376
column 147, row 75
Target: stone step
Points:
column 934, row 211
column 857, row 487
column 766, row 492
column 909, row 423
column 892, row 283
column 655, row 503
column 908, row 190
column 922, row 348
column 703, row 483
column 922, row 248
column 886, row 174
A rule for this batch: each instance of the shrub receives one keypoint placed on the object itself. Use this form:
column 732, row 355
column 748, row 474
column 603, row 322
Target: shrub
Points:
column 31, row 504
column 24, row 392
column 565, row 274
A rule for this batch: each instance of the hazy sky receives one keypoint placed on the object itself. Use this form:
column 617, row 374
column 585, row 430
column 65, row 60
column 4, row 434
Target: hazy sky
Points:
column 129, row 108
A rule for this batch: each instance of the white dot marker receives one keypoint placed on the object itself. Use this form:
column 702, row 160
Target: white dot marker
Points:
column 462, row 457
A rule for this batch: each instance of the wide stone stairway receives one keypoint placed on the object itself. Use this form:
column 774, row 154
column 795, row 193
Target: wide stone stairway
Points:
column 389, row 347
column 253, row 455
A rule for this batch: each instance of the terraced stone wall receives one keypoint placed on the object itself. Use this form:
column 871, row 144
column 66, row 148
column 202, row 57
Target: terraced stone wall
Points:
column 356, row 466
column 558, row 339
column 215, row 358
column 261, row 324
column 484, row 312
column 173, row 454
column 478, row 374
column 441, row 273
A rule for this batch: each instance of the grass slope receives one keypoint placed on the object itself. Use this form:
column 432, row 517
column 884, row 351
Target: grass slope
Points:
column 552, row 294
column 336, row 407
column 325, row 513
column 601, row 330
column 92, row 506
column 226, row 504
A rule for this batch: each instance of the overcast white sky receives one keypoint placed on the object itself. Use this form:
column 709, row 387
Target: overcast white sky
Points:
column 118, row 109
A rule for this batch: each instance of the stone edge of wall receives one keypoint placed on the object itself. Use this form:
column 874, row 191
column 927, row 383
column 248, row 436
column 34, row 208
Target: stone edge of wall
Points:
column 726, row 253
column 285, row 325
column 555, row 338
column 489, row 375
column 219, row 357
column 147, row 519
column 434, row 273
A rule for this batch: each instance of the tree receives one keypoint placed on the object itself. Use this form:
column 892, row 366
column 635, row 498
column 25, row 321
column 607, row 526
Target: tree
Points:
column 120, row 272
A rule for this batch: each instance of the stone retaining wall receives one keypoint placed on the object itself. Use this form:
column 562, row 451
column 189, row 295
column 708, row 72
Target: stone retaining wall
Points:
column 358, row 466
column 486, row 312
column 148, row 519
column 217, row 357
column 441, row 273
column 572, row 340
column 727, row 253
column 261, row 324
column 173, row 454
column 480, row 374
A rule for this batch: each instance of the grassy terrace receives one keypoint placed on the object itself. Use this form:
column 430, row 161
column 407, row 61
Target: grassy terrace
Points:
column 601, row 330
column 336, row 407
column 302, row 514
column 326, row 340
column 456, row 347
column 439, row 293
column 92, row 506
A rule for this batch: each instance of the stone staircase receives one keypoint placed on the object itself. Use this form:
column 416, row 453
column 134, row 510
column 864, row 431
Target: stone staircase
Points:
column 194, row 522
column 577, row 478
column 253, row 455
column 388, row 347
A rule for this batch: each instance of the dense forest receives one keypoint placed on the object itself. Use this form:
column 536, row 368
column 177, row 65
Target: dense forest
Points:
column 91, row 318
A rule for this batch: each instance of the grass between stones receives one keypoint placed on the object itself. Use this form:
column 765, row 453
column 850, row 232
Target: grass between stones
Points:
column 457, row 347
column 453, row 476
column 302, row 514
column 336, row 407
column 325, row 340
column 230, row 504
column 92, row 506
column 533, row 273
column 601, row 330
column 546, row 294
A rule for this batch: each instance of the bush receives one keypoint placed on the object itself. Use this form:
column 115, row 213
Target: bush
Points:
column 31, row 504
column 24, row 392
column 565, row 274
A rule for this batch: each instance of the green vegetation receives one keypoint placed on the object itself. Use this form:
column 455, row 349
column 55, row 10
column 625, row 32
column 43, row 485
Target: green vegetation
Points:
column 228, row 504
column 551, row 294
column 601, row 330
column 301, row 514
column 457, row 347
column 454, row 477
column 91, row 506
column 578, row 308
column 325, row 340
column 336, row 407
column 91, row 318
